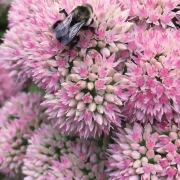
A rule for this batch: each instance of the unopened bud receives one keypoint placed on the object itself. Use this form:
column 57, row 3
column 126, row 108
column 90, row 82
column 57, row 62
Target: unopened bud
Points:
column 92, row 107
column 135, row 155
column 90, row 86
column 98, row 99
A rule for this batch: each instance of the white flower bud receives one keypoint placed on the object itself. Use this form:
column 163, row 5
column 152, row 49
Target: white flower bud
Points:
column 92, row 77
column 101, row 44
column 105, row 52
column 98, row 99
column 72, row 103
column 100, row 109
column 92, row 106
column 81, row 105
column 135, row 155
column 79, row 96
column 94, row 68
column 109, row 88
column 137, row 164
column 90, row 86
column 144, row 160
column 109, row 97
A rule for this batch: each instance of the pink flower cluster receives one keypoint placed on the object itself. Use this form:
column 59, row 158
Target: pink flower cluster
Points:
column 20, row 116
column 158, row 12
column 153, row 77
column 13, row 54
column 127, row 71
column 47, row 61
column 7, row 86
column 89, row 102
column 55, row 67
column 51, row 155
column 146, row 153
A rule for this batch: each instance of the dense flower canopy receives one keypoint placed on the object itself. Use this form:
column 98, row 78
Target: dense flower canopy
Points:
column 119, row 85
column 47, row 61
column 13, row 54
column 153, row 77
column 20, row 116
column 158, row 12
column 60, row 157
column 148, row 152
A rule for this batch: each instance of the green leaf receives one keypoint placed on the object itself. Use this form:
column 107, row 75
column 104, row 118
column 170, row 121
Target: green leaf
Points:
column 34, row 88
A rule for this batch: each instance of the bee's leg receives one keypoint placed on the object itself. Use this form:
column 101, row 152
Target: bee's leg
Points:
column 92, row 21
column 63, row 11
column 56, row 24
column 92, row 29
column 74, row 42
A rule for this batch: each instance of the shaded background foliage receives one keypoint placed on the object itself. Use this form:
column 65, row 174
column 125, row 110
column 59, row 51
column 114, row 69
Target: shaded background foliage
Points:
column 3, row 27
column 3, row 22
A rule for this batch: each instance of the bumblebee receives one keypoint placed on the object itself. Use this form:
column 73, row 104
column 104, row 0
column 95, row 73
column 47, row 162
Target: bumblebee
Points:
column 66, row 31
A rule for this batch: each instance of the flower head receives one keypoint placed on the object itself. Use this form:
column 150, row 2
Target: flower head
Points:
column 7, row 87
column 48, row 62
column 60, row 157
column 13, row 55
column 89, row 101
column 148, row 152
column 153, row 76
column 163, row 13
column 18, row 12
column 20, row 116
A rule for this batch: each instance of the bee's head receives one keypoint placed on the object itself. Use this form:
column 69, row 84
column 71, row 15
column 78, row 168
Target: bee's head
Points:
column 83, row 12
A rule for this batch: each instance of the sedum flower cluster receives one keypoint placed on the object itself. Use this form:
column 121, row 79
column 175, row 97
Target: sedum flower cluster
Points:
column 157, row 12
column 89, row 102
column 20, row 117
column 149, row 152
column 152, row 75
column 7, row 87
column 109, row 107
column 48, row 62
column 51, row 155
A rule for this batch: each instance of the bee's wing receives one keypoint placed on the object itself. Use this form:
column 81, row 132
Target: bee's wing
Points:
column 63, row 27
column 72, row 33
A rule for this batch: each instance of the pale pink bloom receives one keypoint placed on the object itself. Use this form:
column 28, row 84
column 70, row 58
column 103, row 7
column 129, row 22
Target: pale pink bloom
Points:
column 153, row 75
column 7, row 87
column 51, row 155
column 13, row 54
column 49, row 62
column 160, row 13
column 18, row 12
column 132, row 156
column 89, row 102
column 20, row 116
